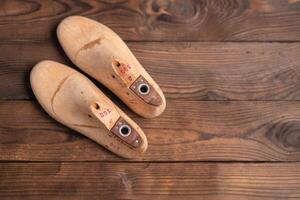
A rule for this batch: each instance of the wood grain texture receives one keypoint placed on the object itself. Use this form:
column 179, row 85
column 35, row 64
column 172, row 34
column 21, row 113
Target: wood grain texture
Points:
column 187, row 131
column 229, row 70
column 203, row 71
column 149, row 181
column 159, row 20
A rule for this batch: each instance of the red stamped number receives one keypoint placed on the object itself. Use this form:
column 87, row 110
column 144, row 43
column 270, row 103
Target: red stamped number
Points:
column 124, row 69
column 105, row 112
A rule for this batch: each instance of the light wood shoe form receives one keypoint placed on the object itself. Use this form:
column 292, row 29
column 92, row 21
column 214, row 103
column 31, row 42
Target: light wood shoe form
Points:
column 102, row 54
column 72, row 99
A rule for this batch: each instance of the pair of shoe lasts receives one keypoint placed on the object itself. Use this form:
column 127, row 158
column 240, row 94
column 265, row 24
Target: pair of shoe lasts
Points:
column 72, row 99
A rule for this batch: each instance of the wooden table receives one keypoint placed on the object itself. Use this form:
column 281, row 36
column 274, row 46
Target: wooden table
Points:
column 230, row 71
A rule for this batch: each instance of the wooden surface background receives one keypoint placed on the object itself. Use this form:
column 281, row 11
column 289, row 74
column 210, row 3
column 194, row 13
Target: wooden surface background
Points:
column 230, row 70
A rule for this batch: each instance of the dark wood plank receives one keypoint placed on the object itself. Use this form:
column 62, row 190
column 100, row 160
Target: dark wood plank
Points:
column 202, row 20
column 203, row 71
column 149, row 181
column 187, row 131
